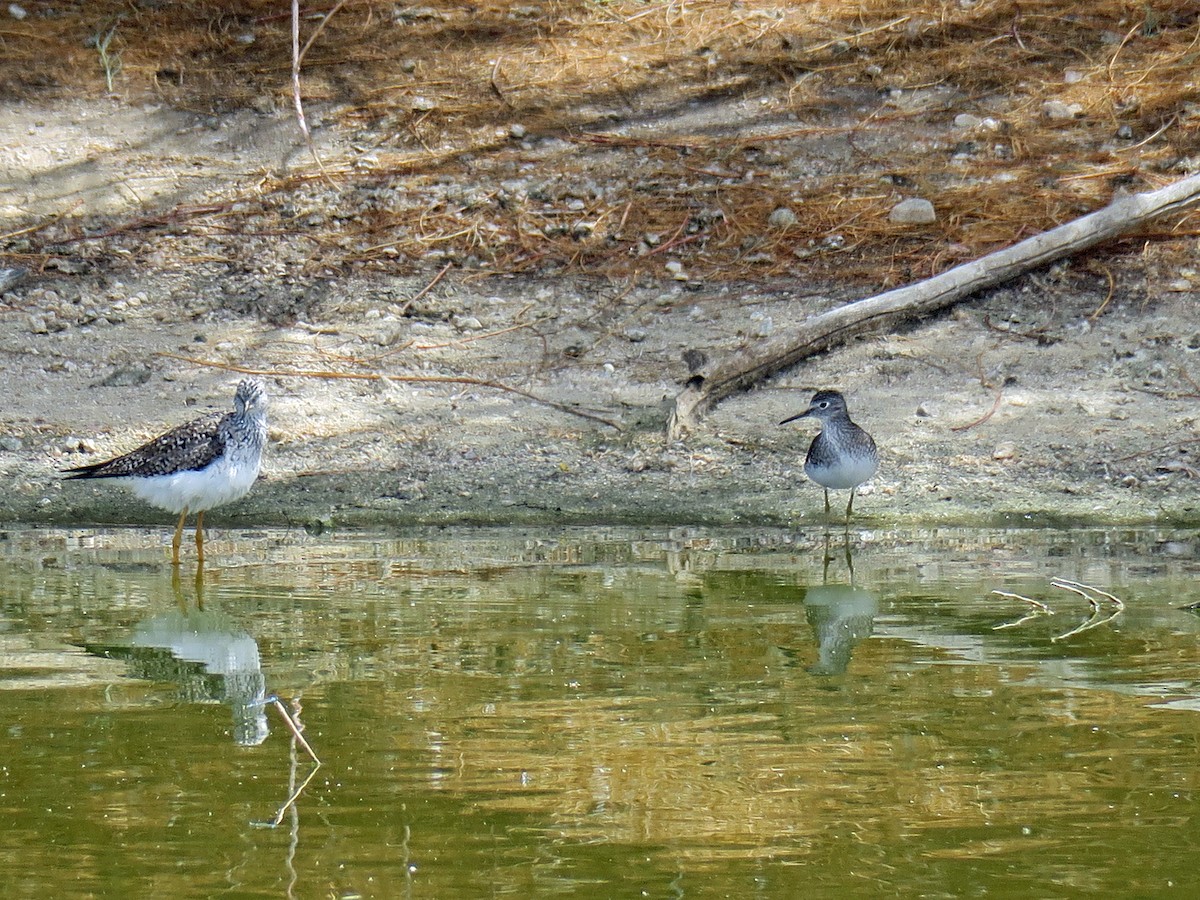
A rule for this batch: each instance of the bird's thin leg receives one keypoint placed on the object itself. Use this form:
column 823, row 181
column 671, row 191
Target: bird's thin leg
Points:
column 200, row 537
column 178, row 538
column 850, row 505
column 826, row 501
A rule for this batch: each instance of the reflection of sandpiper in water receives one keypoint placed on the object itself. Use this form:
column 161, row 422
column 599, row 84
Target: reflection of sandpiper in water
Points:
column 208, row 656
column 202, row 464
column 841, row 615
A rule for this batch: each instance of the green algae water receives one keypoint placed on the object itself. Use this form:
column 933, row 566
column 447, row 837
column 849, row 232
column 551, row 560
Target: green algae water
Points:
column 600, row 713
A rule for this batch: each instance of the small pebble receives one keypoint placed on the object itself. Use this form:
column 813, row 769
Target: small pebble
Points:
column 782, row 218
column 1006, row 450
column 913, row 211
column 10, row 276
column 1058, row 111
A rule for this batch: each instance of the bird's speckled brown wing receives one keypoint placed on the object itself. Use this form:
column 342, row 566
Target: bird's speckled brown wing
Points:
column 187, row 448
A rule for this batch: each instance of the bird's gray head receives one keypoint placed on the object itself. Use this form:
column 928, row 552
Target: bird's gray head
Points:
column 825, row 405
column 251, row 397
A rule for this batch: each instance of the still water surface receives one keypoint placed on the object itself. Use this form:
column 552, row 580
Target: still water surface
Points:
column 599, row 713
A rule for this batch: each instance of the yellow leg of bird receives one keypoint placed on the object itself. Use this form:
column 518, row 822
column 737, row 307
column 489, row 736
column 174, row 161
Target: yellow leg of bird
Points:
column 200, row 537
column 178, row 538
column 850, row 505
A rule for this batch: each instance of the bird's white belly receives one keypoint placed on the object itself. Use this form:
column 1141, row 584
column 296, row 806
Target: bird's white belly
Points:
column 222, row 482
column 847, row 473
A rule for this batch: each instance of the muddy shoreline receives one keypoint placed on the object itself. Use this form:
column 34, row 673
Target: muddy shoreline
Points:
column 1086, row 430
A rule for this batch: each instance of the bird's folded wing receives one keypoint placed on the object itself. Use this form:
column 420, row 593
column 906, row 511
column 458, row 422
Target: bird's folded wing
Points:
column 189, row 447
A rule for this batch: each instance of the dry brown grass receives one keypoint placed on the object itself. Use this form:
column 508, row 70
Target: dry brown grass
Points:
column 691, row 120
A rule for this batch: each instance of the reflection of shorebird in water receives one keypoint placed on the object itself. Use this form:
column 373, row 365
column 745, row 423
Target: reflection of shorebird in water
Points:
column 224, row 665
column 207, row 654
column 199, row 465
column 841, row 615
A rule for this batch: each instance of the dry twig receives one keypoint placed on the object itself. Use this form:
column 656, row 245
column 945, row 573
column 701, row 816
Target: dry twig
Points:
column 1038, row 609
column 987, row 415
column 409, row 379
column 294, row 727
column 1095, row 597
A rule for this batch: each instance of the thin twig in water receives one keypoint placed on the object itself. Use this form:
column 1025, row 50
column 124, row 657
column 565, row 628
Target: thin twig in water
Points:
column 1039, row 609
column 1097, row 618
column 1091, row 594
column 289, row 802
column 1079, row 587
column 294, row 728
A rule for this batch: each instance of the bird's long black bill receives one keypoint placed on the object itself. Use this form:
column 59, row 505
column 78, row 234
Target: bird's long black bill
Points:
column 795, row 417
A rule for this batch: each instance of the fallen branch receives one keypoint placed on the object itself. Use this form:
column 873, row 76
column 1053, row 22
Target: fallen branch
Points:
column 1125, row 214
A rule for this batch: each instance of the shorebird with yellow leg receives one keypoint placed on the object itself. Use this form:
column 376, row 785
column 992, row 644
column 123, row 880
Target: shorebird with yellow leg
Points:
column 202, row 464
column 842, row 455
